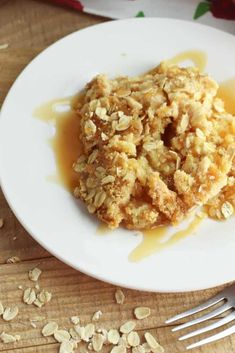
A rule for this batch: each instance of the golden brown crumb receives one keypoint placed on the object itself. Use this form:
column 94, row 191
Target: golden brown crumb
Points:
column 154, row 147
column 222, row 206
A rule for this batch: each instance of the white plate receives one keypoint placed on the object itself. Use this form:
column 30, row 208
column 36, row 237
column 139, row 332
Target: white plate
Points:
column 49, row 213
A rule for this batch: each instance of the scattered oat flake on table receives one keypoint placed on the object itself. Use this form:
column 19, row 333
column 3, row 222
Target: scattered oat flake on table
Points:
column 61, row 336
column 97, row 315
column 7, row 338
column 89, row 331
column 10, row 313
column 74, row 334
column 66, row 347
column 142, row 312
column 90, row 346
column 113, row 336
column 32, row 323
column 74, row 343
column 123, row 341
column 133, row 339
column 127, row 327
column 75, row 320
column 1, row 222
column 138, row 349
column 119, row 296
column 118, row 349
column 34, row 274
column 13, row 260
column 97, row 342
column 29, row 296
column 154, row 345
column 146, row 347
column 44, row 296
column 38, row 303
column 104, row 333
column 80, row 330
column 49, row 329
column 4, row 46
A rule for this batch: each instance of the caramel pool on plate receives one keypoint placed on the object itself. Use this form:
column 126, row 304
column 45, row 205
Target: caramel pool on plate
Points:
column 227, row 93
column 197, row 57
column 153, row 240
column 65, row 143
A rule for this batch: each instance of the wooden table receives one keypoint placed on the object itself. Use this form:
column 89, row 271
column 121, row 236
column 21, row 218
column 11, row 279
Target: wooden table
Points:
column 28, row 27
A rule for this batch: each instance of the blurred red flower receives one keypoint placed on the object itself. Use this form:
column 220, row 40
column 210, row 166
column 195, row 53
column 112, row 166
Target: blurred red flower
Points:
column 223, row 9
column 75, row 4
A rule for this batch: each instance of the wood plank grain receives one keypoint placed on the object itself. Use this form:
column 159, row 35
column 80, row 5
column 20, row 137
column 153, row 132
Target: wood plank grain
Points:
column 77, row 294
column 14, row 239
column 38, row 24
column 28, row 27
column 12, row 62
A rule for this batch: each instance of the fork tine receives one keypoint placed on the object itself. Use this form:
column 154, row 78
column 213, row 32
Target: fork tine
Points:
column 205, row 317
column 213, row 326
column 212, row 301
column 218, row 336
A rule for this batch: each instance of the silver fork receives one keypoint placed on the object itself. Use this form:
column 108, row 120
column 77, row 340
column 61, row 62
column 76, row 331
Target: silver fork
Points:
column 228, row 297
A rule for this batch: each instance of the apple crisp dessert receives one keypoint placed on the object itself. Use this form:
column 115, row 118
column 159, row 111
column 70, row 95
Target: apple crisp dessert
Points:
column 154, row 147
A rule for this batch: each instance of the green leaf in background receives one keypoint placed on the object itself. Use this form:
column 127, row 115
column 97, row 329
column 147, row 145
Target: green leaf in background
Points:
column 202, row 8
column 140, row 14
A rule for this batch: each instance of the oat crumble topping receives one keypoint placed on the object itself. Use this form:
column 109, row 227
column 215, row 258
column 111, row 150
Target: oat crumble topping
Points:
column 154, row 147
